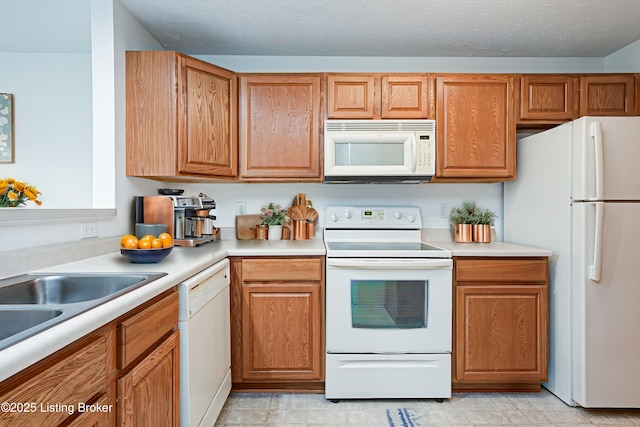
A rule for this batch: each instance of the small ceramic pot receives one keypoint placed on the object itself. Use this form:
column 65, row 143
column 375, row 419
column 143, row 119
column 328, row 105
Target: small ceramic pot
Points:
column 274, row 232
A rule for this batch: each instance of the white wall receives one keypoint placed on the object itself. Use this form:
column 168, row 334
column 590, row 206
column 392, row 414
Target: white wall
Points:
column 249, row 64
column 431, row 198
column 52, row 125
column 626, row 60
column 117, row 31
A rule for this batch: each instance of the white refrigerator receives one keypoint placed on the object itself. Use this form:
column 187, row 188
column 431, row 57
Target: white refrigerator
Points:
column 577, row 192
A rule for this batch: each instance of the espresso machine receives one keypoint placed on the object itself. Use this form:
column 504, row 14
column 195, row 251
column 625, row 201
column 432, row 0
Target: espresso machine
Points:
column 188, row 218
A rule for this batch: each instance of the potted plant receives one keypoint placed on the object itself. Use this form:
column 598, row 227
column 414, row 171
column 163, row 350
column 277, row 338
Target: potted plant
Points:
column 274, row 216
column 482, row 226
column 462, row 218
column 471, row 224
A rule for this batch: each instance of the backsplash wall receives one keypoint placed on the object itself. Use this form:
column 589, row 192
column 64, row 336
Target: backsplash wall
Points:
column 433, row 199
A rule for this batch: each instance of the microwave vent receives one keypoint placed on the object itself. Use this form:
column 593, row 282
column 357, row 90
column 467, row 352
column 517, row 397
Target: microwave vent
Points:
column 380, row 126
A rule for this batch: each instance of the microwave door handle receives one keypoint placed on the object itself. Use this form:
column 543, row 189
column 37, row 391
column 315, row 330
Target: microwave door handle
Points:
column 414, row 155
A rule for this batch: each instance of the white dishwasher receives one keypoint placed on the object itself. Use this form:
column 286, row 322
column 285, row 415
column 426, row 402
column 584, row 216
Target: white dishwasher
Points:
column 205, row 345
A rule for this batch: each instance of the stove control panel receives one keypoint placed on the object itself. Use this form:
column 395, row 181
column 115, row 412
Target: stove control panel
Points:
column 373, row 217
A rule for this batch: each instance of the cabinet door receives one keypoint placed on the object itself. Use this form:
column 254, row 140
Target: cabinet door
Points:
column 281, row 332
column 406, row 97
column 149, row 393
column 476, row 132
column 548, row 98
column 351, row 96
column 501, row 333
column 71, row 381
column 207, row 121
column 280, row 122
column 181, row 116
column 607, row 95
column 98, row 416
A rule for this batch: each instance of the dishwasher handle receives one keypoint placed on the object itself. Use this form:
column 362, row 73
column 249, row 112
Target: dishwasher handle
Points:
column 201, row 288
column 195, row 280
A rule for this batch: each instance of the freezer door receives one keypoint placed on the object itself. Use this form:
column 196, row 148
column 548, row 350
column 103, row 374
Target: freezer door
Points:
column 606, row 152
column 606, row 304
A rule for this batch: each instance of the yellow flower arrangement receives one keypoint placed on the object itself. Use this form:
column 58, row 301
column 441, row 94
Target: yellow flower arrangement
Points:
column 15, row 193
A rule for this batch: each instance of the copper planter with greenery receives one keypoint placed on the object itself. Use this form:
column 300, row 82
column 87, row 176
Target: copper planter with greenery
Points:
column 463, row 233
column 472, row 224
column 482, row 233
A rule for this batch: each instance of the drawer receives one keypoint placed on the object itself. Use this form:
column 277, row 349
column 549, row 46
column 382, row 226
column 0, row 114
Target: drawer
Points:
column 281, row 269
column 76, row 378
column 141, row 331
column 501, row 270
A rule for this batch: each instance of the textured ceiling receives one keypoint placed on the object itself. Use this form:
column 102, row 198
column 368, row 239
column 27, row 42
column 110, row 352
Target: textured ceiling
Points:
column 482, row 28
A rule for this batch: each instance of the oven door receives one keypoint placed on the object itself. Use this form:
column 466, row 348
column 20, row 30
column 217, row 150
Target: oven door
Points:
column 388, row 305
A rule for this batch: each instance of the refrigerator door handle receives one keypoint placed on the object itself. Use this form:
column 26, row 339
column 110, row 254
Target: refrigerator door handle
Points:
column 596, row 133
column 595, row 270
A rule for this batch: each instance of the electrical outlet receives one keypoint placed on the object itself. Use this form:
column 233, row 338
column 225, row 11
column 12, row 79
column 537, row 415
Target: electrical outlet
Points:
column 241, row 208
column 88, row 230
column 444, row 210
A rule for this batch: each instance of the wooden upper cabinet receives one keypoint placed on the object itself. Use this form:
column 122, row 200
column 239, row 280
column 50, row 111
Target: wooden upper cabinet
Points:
column 181, row 117
column 548, row 98
column 406, row 97
column 379, row 96
column 351, row 96
column 607, row 95
column 476, row 127
column 280, row 127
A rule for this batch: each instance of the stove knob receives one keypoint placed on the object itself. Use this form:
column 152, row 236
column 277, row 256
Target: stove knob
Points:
column 397, row 214
column 411, row 218
column 347, row 214
column 334, row 218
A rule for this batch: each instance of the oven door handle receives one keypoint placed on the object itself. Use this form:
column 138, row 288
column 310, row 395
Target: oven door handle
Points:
column 404, row 264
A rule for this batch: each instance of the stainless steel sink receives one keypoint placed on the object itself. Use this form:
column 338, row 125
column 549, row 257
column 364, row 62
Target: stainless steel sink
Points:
column 16, row 321
column 66, row 289
column 31, row 303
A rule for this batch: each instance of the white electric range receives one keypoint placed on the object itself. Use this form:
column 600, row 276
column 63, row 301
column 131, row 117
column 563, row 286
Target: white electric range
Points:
column 388, row 306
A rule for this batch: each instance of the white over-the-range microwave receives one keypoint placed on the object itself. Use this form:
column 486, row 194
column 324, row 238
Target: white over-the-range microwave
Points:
column 360, row 151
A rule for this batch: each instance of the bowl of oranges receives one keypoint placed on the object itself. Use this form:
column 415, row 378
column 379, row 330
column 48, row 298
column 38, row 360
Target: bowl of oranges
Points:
column 147, row 249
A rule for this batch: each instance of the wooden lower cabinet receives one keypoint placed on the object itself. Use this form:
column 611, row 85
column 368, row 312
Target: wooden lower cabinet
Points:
column 90, row 383
column 149, row 393
column 56, row 389
column 97, row 416
column 277, row 323
column 500, row 323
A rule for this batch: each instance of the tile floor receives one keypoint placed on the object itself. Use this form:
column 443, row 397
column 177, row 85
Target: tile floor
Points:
column 463, row 409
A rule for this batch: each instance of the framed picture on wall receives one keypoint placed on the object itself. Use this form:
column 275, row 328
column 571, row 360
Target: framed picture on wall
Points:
column 6, row 128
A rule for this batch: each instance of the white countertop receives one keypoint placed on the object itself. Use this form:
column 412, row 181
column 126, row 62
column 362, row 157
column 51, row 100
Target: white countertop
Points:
column 493, row 249
column 182, row 263
column 444, row 239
